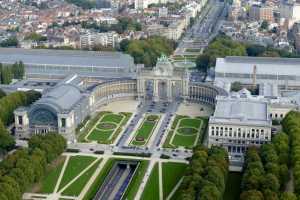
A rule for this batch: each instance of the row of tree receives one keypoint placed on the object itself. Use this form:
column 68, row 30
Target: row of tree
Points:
column 146, row 51
column 10, row 42
column 9, row 72
column 24, row 167
column 36, row 37
column 291, row 125
column 206, row 175
column 223, row 46
column 266, row 171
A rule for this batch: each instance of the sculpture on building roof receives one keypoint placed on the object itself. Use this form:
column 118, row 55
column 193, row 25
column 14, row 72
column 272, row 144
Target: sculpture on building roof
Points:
column 163, row 67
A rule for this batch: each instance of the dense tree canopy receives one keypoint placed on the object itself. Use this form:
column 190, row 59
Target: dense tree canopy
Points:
column 10, row 42
column 124, row 24
column 291, row 125
column 2, row 94
column 85, row 4
column 12, row 101
column 206, row 175
column 20, row 170
column 146, row 51
column 221, row 46
column 266, row 169
column 36, row 37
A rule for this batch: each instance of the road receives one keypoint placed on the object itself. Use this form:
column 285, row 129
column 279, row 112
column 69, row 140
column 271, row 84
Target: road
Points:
column 204, row 30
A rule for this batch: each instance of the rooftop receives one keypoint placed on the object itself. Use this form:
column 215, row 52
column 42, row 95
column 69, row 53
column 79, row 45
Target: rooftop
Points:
column 65, row 58
column 239, row 110
column 264, row 65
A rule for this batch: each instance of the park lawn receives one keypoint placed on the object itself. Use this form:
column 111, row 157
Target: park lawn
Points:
column 190, row 123
column 103, row 136
column 75, row 165
column 151, row 191
column 184, row 140
column 90, row 125
column 176, row 120
column 99, row 180
column 171, row 174
column 145, row 130
column 49, row 181
column 77, row 186
column 116, row 118
column 233, row 185
column 100, row 135
column 136, row 181
column 167, row 143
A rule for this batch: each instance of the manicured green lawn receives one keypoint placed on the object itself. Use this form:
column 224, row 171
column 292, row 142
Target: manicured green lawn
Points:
column 50, row 180
column 187, row 141
column 233, row 185
column 89, row 126
column 75, row 165
column 190, row 123
column 171, row 174
column 183, row 137
column 100, row 135
column 108, row 135
column 99, row 180
column 116, row 118
column 136, row 181
column 151, row 191
column 76, row 187
column 145, row 131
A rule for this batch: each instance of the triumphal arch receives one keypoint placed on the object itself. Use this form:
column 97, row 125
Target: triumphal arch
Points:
column 164, row 82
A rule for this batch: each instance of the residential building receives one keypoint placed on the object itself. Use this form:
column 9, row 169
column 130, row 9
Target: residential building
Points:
column 258, row 12
column 289, row 13
column 91, row 40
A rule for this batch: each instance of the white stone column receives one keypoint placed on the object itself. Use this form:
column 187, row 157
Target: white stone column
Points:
column 169, row 90
column 155, row 90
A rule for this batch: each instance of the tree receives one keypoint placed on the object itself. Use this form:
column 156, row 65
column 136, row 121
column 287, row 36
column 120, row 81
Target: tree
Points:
column 2, row 93
column 36, row 37
column 236, row 86
column 124, row 45
column 7, row 142
column 146, row 51
column 203, row 61
column 255, row 50
column 10, row 42
column 271, row 182
column 6, row 75
column 264, row 24
column 251, row 195
column 18, row 70
column 288, row 196
column 209, row 192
